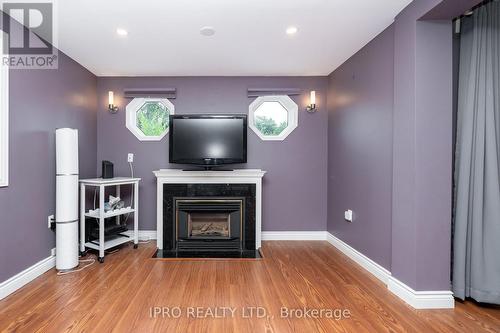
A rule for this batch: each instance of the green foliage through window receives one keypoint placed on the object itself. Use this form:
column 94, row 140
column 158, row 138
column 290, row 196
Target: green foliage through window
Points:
column 268, row 126
column 152, row 119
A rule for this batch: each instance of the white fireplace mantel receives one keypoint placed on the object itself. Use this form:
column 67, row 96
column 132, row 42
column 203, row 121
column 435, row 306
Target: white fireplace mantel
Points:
column 242, row 176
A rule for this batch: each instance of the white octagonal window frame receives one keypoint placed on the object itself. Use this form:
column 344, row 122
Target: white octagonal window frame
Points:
column 288, row 104
column 131, row 116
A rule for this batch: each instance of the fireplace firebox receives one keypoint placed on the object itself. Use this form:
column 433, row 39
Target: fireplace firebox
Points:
column 214, row 224
column 209, row 226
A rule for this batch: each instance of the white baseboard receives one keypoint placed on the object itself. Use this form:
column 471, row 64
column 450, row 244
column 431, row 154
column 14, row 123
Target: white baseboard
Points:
column 147, row 234
column 144, row 235
column 293, row 235
column 440, row 299
column 29, row 274
column 371, row 266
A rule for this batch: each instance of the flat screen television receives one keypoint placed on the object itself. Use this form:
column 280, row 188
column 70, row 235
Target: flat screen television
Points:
column 208, row 140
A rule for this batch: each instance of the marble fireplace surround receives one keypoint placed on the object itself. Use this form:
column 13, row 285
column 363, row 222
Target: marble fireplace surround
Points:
column 242, row 176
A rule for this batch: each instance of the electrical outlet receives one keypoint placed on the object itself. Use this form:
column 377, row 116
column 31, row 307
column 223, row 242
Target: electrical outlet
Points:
column 130, row 158
column 53, row 252
column 348, row 215
column 50, row 219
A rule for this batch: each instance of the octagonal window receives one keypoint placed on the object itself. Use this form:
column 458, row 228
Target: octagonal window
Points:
column 152, row 118
column 148, row 118
column 273, row 117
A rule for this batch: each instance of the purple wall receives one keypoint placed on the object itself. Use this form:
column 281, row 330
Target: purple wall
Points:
column 422, row 161
column 416, row 247
column 434, row 142
column 360, row 100
column 294, row 188
column 449, row 9
column 40, row 102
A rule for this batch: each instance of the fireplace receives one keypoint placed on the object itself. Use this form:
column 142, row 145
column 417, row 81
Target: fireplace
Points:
column 214, row 224
column 208, row 221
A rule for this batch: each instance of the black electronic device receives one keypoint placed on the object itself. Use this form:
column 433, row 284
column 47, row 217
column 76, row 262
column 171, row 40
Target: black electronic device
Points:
column 208, row 140
column 107, row 170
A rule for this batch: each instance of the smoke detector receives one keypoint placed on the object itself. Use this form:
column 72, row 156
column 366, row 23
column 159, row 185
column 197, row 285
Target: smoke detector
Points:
column 207, row 31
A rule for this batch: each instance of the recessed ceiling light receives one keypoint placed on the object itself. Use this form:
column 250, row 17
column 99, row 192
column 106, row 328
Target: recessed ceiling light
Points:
column 207, row 31
column 121, row 32
column 291, row 30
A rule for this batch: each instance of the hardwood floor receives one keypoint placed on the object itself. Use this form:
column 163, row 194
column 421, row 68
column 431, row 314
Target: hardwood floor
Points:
column 121, row 295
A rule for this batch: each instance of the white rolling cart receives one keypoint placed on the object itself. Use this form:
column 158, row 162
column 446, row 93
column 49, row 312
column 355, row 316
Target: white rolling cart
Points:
column 100, row 183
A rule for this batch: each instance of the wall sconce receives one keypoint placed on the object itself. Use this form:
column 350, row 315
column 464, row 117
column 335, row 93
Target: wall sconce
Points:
column 311, row 108
column 111, row 103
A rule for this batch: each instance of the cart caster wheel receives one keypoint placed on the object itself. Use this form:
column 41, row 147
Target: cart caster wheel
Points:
column 136, row 246
column 83, row 253
column 100, row 259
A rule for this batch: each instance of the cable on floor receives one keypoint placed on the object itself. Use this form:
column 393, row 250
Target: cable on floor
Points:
column 111, row 252
column 132, row 193
column 145, row 241
column 90, row 262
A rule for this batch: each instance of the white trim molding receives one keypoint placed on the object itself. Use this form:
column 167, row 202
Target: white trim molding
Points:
column 288, row 104
column 371, row 266
column 29, row 274
column 4, row 120
column 144, row 235
column 293, row 235
column 131, row 116
column 439, row 299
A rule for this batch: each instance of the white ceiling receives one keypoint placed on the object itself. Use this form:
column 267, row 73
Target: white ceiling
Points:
column 164, row 35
